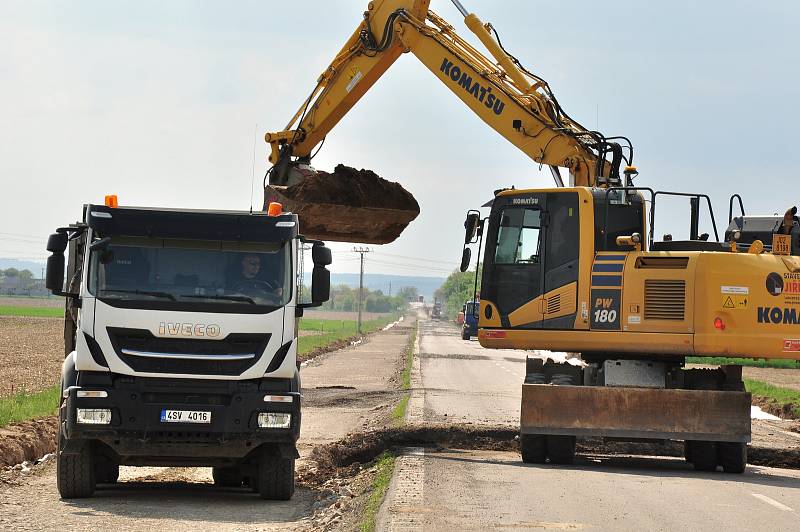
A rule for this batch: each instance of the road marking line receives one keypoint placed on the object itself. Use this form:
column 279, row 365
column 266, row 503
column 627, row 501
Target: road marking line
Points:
column 772, row 502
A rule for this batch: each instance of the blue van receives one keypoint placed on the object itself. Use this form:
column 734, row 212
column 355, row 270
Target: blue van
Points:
column 470, row 327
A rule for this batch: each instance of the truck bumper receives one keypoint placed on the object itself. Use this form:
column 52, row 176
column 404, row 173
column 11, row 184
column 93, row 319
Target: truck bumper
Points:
column 635, row 413
column 138, row 436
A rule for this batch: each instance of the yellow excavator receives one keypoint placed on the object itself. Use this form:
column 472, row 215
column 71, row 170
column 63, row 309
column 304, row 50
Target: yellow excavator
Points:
column 575, row 268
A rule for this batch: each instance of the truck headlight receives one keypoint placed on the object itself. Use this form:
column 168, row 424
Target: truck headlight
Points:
column 91, row 393
column 274, row 420
column 94, row 416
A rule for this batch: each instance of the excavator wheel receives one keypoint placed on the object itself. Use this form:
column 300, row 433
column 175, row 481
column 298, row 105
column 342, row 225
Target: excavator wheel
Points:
column 533, row 448
column 703, row 455
column 561, row 449
column 732, row 456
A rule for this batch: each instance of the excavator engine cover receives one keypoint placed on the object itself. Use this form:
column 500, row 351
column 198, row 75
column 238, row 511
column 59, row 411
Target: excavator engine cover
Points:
column 348, row 205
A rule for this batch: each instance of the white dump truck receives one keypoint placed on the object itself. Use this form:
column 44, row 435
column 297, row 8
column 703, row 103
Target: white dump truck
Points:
column 181, row 343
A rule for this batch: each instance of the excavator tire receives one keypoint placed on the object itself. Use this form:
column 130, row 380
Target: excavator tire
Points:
column 533, row 448
column 348, row 205
column 732, row 456
column 561, row 449
column 703, row 455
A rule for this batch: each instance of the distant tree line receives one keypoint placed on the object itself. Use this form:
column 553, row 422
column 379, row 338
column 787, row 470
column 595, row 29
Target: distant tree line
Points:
column 344, row 298
column 458, row 288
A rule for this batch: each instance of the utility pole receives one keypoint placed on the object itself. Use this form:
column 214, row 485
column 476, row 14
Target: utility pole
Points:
column 361, row 251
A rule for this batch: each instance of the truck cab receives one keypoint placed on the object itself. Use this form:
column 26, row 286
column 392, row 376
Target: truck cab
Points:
column 181, row 343
column 470, row 326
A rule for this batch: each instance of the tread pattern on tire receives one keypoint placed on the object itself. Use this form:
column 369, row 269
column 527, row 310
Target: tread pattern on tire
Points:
column 76, row 473
column 276, row 477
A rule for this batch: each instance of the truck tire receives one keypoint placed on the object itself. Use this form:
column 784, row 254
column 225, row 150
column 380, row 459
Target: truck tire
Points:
column 75, row 472
column 227, row 477
column 533, row 448
column 275, row 477
column 732, row 456
column 464, row 335
column 561, row 449
column 703, row 455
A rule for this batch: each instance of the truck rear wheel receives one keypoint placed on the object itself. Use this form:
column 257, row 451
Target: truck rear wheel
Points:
column 732, row 456
column 75, row 472
column 227, row 477
column 533, row 448
column 275, row 477
column 561, row 449
column 464, row 335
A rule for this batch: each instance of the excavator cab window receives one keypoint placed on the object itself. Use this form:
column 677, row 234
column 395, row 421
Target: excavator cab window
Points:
column 518, row 237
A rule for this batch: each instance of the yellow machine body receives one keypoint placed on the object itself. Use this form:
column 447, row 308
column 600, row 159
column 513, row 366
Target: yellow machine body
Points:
column 656, row 304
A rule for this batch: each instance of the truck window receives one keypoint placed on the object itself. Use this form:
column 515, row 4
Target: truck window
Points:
column 192, row 271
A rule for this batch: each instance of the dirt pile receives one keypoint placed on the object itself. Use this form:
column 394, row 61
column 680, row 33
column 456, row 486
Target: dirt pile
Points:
column 348, row 205
column 353, row 188
column 27, row 441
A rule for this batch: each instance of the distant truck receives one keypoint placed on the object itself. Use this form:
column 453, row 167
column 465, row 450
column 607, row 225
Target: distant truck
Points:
column 469, row 328
column 181, row 344
column 436, row 311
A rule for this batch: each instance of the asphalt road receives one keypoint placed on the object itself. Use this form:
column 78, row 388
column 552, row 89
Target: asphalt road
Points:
column 461, row 382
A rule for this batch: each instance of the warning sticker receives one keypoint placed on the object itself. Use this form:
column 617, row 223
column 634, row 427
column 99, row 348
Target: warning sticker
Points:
column 742, row 290
column 791, row 345
column 734, row 302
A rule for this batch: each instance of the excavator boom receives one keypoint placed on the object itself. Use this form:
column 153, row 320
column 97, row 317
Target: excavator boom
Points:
column 516, row 103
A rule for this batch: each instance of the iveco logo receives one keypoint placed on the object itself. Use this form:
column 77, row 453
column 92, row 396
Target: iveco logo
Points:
column 187, row 329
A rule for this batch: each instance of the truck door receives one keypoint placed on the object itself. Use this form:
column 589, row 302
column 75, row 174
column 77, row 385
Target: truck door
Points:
column 561, row 237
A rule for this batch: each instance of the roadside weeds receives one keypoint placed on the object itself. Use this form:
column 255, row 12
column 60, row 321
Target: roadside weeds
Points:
column 781, row 402
column 380, row 485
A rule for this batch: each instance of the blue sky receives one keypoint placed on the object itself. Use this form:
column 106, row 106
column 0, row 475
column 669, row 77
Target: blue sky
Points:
column 160, row 103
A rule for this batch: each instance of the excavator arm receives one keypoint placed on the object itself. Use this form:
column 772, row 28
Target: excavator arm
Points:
column 513, row 101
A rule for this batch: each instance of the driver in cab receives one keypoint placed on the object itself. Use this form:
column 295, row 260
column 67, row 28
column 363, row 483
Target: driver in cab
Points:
column 249, row 282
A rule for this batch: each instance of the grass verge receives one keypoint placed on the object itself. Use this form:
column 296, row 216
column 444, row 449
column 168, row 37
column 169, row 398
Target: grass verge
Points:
column 24, row 406
column 385, row 467
column 399, row 411
column 782, row 396
column 756, row 363
column 335, row 330
column 32, row 312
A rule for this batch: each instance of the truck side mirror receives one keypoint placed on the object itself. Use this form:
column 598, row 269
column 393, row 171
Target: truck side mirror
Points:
column 57, row 243
column 471, row 226
column 320, row 285
column 466, row 255
column 321, row 254
column 54, row 279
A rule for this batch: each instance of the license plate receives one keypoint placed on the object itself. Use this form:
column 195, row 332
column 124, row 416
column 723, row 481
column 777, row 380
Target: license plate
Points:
column 185, row 416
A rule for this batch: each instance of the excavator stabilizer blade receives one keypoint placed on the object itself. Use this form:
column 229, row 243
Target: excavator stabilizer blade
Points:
column 348, row 205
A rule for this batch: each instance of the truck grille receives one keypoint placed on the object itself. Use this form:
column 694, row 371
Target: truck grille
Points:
column 230, row 356
column 664, row 299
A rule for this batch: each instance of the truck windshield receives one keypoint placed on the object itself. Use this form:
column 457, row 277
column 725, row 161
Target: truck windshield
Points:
column 146, row 269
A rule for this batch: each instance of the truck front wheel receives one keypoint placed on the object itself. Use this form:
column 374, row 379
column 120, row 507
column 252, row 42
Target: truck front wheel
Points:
column 275, row 477
column 75, row 472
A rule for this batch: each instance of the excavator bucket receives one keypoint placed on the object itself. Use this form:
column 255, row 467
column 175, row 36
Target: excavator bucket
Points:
column 348, row 205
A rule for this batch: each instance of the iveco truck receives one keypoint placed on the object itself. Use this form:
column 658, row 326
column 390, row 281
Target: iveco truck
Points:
column 181, row 343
